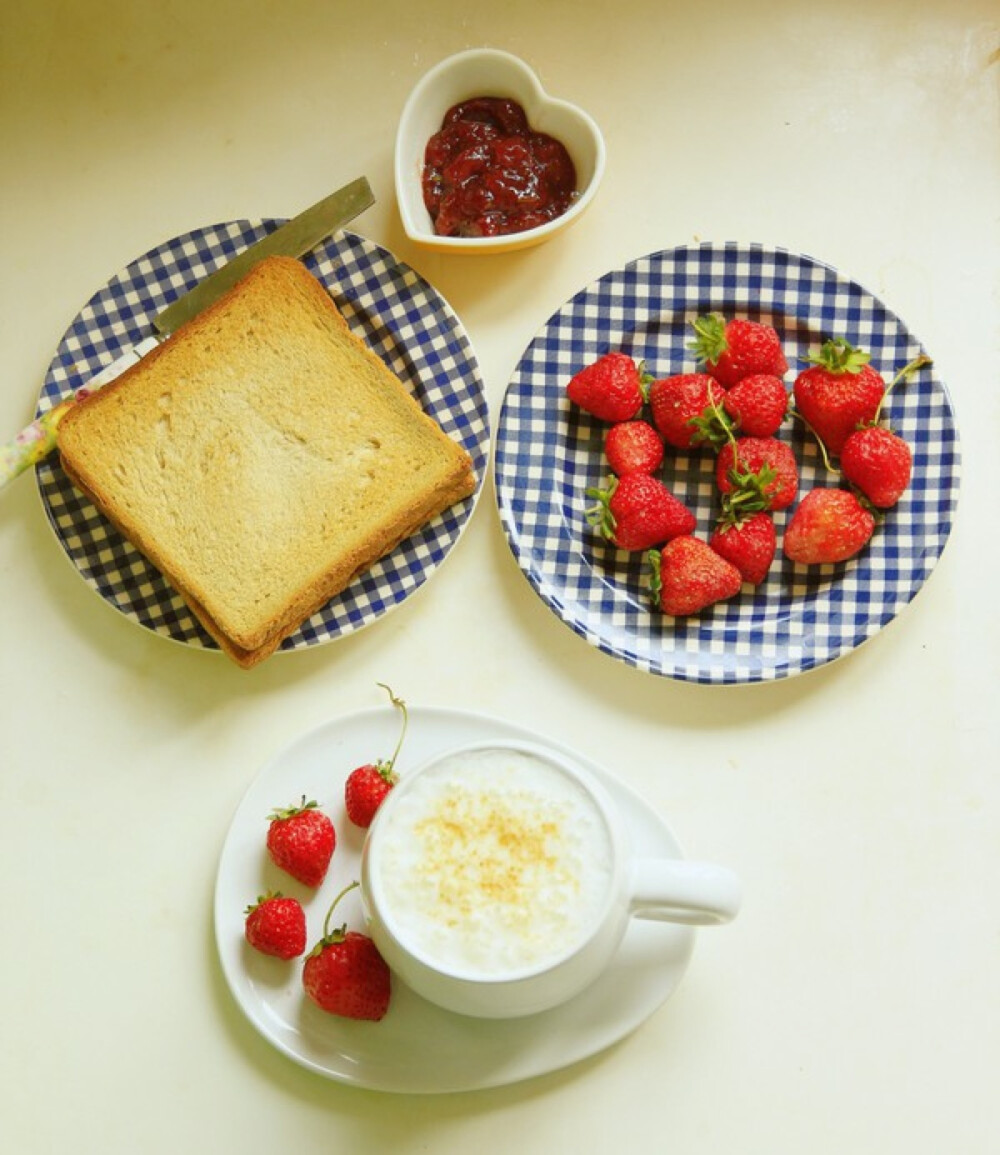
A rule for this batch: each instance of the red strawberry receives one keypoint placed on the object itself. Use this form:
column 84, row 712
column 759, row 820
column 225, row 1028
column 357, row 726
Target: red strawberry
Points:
column 756, row 473
column 637, row 511
column 345, row 975
column 633, row 447
column 365, row 790
column 301, row 841
column 276, row 925
column 758, row 404
column 613, row 388
column 684, row 408
column 688, row 576
column 879, row 463
column 838, row 393
column 829, row 525
column 367, row 786
column 736, row 349
column 750, row 544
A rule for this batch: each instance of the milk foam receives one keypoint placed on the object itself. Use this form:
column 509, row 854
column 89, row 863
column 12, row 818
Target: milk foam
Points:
column 493, row 863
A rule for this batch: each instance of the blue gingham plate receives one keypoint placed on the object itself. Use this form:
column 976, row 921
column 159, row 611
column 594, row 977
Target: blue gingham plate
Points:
column 548, row 452
column 402, row 318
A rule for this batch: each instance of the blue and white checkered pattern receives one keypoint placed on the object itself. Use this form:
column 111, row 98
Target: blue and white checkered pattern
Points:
column 548, row 453
column 399, row 315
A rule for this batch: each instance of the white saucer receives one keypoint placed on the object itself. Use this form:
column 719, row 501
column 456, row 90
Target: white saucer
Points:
column 418, row 1048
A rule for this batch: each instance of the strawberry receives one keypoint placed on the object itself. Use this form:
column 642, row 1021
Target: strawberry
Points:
column 633, row 447
column 367, row 786
column 637, row 511
column 613, row 388
column 301, row 841
column 684, row 408
column 756, row 473
column 829, row 525
column 879, row 463
column 276, row 925
column 838, row 393
column 688, row 576
column 758, row 404
column 749, row 543
column 731, row 350
column 345, row 975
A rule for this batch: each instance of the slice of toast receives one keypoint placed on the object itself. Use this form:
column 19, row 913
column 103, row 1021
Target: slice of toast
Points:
column 262, row 457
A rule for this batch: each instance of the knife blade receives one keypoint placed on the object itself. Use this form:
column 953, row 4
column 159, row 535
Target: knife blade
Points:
column 293, row 239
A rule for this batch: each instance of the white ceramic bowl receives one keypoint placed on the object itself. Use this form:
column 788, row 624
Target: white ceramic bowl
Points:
column 498, row 880
column 488, row 72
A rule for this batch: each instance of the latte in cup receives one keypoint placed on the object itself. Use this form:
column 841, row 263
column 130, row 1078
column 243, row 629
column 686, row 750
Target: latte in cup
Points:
column 493, row 863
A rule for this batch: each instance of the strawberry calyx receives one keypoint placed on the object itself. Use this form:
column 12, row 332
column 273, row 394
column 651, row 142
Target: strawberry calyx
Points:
column 645, row 380
column 750, row 493
column 600, row 516
column 290, row 811
column 710, row 338
column 714, row 427
column 878, row 514
column 865, row 502
column 837, row 355
column 268, row 896
column 655, row 575
column 337, row 934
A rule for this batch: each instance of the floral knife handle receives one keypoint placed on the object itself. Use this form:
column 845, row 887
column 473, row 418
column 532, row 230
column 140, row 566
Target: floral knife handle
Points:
column 36, row 441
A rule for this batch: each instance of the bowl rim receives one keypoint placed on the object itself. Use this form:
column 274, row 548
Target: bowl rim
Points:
column 406, row 146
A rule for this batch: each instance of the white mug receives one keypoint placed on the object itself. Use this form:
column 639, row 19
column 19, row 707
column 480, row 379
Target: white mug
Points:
column 498, row 880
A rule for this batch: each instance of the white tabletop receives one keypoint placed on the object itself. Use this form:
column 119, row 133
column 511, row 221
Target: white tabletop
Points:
column 852, row 1006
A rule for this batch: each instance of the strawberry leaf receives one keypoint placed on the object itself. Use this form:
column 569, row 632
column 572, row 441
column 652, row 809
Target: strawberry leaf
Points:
column 710, row 338
column 839, row 356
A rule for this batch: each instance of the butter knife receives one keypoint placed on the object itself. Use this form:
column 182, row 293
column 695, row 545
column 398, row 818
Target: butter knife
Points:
column 292, row 239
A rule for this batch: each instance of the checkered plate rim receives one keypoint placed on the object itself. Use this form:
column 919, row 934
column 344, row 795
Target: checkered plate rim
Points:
column 398, row 314
column 547, row 453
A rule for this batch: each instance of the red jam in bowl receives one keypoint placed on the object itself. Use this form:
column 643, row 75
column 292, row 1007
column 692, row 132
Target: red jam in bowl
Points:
column 488, row 173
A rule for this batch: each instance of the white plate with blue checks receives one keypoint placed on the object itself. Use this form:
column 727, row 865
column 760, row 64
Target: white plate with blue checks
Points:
column 548, row 452
column 401, row 317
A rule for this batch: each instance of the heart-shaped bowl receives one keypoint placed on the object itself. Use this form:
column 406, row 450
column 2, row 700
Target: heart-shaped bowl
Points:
column 490, row 72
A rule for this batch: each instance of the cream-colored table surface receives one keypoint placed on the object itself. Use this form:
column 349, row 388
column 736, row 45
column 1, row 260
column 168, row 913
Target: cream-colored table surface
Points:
column 853, row 1006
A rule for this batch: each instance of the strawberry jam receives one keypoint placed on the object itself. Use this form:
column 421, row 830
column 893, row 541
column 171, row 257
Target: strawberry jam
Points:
column 488, row 173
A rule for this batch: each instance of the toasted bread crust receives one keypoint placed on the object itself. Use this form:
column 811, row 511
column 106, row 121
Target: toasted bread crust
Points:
column 262, row 457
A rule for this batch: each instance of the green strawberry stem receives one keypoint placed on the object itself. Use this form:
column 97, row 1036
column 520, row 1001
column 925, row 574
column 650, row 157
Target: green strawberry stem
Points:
column 336, row 935
column 907, row 371
column 386, row 768
column 823, row 451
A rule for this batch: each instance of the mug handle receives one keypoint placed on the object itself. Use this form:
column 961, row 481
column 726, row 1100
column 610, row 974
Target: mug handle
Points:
column 676, row 890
